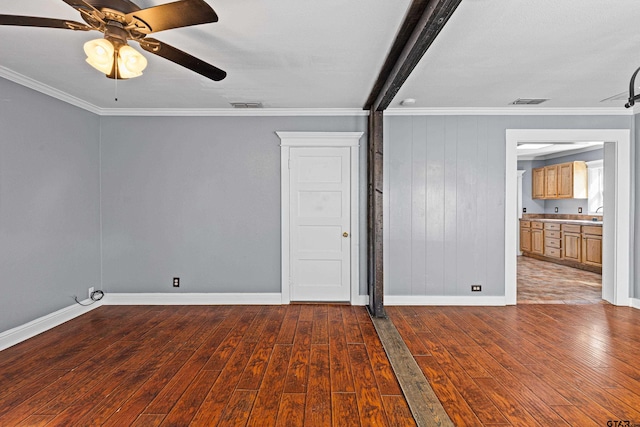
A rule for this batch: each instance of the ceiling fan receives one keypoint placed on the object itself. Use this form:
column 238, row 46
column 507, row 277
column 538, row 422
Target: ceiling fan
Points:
column 121, row 21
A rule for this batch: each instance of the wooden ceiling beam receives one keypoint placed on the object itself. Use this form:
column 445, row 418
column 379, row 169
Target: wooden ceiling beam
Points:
column 422, row 24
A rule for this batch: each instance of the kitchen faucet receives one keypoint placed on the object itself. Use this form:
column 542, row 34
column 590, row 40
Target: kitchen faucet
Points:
column 601, row 207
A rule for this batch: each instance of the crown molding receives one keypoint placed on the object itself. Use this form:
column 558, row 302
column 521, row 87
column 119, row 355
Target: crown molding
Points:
column 232, row 112
column 510, row 111
column 280, row 112
column 47, row 90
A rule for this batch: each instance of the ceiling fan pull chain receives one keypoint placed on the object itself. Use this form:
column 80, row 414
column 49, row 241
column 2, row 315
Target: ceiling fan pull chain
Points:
column 116, row 81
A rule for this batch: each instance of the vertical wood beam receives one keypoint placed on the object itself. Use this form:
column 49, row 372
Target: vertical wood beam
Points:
column 374, row 216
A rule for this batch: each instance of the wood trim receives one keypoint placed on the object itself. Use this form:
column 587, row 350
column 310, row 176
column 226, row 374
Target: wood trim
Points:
column 423, row 402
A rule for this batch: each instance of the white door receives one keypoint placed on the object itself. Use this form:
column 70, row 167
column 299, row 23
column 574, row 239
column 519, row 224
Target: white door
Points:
column 320, row 210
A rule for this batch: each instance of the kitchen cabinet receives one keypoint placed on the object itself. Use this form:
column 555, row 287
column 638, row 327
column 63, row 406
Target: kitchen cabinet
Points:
column 572, row 180
column 551, row 182
column 592, row 245
column 571, row 242
column 575, row 245
column 537, row 238
column 525, row 236
column 552, row 241
column 561, row 181
column 538, row 183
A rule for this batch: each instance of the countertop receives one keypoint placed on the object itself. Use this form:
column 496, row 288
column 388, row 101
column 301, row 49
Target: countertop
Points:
column 565, row 221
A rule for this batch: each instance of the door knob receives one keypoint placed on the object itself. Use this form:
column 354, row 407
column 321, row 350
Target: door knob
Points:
column 345, row 234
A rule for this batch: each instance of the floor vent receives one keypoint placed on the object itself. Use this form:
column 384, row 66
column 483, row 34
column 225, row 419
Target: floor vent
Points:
column 528, row 101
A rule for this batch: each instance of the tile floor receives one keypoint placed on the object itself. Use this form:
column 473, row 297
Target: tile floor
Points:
column 541, row 282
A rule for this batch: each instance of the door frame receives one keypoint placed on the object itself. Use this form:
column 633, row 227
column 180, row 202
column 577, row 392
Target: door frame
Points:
column 316, row 140
column 617, row 275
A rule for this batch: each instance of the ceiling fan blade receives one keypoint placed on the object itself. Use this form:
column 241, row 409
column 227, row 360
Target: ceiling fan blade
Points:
column 81, row 6
column 32, row 21
column 178, row 14
column 182, row 58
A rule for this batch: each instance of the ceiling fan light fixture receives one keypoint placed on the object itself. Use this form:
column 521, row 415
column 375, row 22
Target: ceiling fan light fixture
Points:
column 100, row 54
column 130, row 62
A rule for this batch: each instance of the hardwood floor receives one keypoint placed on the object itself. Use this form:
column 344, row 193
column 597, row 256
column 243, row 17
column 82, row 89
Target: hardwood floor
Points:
column 528, row 365
column 323, row 365
column 541, row 282
column 298, row 365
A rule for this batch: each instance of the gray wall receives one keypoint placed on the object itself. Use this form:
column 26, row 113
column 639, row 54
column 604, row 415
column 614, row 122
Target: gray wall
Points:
column 532, row 205
column 446, row 184
column 565, row 206
column 199, row 198
column 49, row 204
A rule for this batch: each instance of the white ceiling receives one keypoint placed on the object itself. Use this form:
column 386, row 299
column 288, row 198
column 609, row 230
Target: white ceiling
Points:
column 327, row 54
column 543, row 151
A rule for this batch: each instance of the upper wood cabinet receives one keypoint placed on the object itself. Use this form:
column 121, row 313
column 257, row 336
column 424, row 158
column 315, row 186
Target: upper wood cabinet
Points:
column 551, row 182
column 538, row 183
column 562, row 181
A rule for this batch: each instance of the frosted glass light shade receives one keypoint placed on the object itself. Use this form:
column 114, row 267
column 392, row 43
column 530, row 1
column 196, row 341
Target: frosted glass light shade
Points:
column 130, row 62
column 100, row 54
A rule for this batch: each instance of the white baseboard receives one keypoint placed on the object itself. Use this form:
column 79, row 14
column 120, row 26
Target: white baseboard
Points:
column 360, row 300
column 192, row 299
column 635, row 303
column 443, row 300
column 44, row 323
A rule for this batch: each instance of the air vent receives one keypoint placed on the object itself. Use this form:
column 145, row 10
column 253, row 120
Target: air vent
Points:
column 246, row 104
column 528, row 101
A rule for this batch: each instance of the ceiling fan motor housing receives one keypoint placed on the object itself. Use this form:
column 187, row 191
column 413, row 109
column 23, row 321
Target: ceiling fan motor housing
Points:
column 115, row 33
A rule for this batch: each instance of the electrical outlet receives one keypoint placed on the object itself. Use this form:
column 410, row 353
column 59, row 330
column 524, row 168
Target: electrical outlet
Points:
column 524, row 210
column 176, row 282
column 556, row 209
column 580, row 209
column 90, row 292
column 476, row 288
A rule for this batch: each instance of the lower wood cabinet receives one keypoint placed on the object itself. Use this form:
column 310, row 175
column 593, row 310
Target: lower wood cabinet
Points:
column 572, row 244
column 592, row 245
column 537, row 238
column 575, row 245
column 525, row 239
column 552, row 240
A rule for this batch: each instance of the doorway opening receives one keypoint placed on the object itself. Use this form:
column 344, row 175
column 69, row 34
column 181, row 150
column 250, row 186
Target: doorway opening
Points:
column 615, row 232
column 557, row 262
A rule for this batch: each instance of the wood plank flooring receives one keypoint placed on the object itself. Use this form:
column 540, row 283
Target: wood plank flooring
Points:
column 542, row 282
column 298, row 365
column 528, row 365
